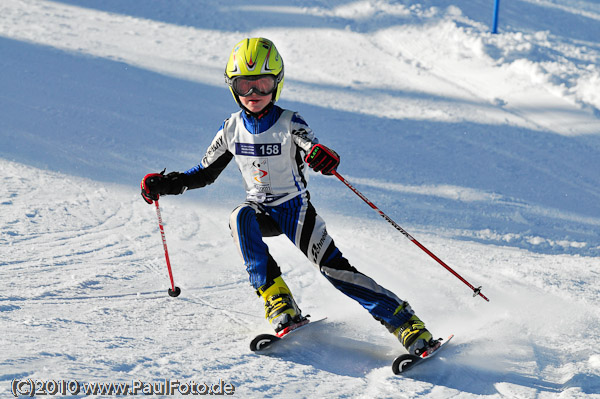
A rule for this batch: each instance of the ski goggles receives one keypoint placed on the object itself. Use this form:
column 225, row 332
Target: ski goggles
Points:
column 243, row 86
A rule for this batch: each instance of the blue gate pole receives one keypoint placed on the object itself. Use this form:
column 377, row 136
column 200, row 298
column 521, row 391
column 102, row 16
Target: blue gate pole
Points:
column 496, row 7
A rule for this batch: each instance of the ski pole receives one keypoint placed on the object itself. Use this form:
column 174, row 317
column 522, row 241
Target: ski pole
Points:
column 173, row 291
column 476, row 291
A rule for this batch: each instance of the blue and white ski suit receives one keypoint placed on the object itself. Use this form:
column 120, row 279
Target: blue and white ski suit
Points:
column 269, row 152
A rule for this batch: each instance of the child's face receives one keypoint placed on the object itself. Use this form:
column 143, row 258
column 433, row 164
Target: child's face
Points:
column 255, row 102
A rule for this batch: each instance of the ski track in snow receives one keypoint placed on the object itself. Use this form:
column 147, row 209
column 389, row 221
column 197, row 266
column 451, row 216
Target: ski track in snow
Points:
column 87, row 300
column 492, row 163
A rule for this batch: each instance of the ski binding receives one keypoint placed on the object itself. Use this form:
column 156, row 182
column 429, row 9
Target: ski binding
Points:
column 263, row 341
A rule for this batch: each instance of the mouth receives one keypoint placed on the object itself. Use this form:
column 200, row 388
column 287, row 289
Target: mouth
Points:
column 254, row 102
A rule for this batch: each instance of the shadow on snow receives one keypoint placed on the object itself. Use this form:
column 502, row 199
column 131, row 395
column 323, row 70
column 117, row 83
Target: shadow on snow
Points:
column 112, row 122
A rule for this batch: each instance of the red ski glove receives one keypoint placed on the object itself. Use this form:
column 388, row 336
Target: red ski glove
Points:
column 151, row 186
column 156, row 184
column 322, row 159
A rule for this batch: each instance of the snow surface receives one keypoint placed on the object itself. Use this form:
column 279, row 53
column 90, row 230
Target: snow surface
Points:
column 486, row 148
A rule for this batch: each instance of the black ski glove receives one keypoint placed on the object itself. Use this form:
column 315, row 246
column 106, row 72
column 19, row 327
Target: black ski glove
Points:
column 157, row 184
column 322, row 159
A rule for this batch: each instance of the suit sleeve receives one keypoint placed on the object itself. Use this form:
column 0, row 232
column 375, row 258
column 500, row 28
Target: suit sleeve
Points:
column 302, row 133
column 216, row 158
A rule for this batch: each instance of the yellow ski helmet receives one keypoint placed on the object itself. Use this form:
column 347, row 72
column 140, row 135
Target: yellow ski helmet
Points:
column 254, row 57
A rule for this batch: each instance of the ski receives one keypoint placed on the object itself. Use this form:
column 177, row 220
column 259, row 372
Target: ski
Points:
column 406, row 362
column 263, row 341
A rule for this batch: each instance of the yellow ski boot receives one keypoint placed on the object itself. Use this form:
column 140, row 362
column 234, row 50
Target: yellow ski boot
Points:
column 415, row 337
column 281, row 309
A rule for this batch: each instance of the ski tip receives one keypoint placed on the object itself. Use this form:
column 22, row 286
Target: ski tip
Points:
column 404, row 363
column 262, row 342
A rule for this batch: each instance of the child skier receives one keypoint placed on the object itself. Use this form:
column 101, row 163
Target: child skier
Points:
column 271, row 146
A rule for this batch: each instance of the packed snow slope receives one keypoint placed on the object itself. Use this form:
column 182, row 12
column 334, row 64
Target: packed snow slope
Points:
column 485, row 147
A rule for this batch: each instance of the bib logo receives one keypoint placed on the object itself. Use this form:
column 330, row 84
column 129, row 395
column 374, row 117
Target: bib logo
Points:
column 260, row 175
